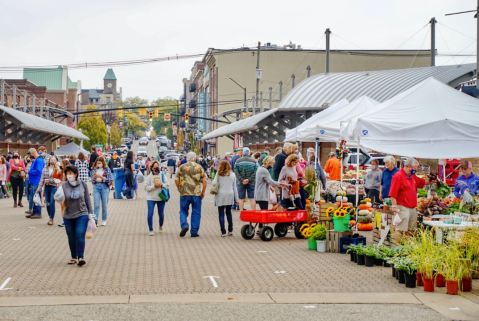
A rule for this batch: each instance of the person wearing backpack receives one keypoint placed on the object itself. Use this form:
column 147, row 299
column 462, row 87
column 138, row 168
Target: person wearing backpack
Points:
column 154, row 185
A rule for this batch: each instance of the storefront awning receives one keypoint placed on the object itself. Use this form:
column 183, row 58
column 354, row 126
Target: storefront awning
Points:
column 29, row 128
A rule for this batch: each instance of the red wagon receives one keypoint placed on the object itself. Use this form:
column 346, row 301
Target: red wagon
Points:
column 265, row 217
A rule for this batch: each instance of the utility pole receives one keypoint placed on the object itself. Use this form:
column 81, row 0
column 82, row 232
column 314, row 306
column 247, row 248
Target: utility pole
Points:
column 433, row 41
column 258, row 77
column 328, row 33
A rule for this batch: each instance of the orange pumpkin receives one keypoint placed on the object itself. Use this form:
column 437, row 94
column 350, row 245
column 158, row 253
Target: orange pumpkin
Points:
column 365, row 226
column 352, row 222
column 308, row 202
column 363, row 207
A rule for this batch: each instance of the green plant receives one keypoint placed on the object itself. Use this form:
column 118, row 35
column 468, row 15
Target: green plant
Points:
column 387, row 252
column 319, row 232
column 352, row 248
column 370, row 250
column 360, row 249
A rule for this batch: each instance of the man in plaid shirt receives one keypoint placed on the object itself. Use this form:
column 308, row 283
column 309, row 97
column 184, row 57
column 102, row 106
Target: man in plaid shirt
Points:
column 245, row 171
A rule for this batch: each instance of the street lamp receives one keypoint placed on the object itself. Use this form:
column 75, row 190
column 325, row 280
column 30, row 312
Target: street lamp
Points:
column 245, row 105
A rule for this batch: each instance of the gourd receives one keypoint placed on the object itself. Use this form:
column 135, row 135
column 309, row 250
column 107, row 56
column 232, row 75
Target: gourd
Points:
column 362, row 202
column 363, row 207
column 363, row 212
column 345, row 199
column 339, row 198
column 352, row 222
column 365, row 226
column 369, row 204
column 368, row 200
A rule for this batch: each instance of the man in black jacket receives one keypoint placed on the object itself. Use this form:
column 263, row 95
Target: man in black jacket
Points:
column 171, row 164
column 280, row 159
column 93, row 157
column 115, row 162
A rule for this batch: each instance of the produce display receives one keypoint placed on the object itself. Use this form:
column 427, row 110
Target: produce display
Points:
column 442, row 190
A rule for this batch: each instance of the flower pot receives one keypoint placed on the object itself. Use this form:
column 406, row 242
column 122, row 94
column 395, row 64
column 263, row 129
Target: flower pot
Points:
column 386, row 264
column 393, row 271
column 360, row 259
column 410, row 280
column 452, row 287
column 312, row 244
column 378, row 262
column 428, row 284
column 352, row 256
column 401, row 277
column 419, row 279
column 355, row 257
column 466, row 284
column 397, row 274
column 320, row 246
column 440, row 280
column 369, row 261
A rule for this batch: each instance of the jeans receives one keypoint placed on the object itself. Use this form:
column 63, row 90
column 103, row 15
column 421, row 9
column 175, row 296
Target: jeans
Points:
column 195, row 202
column 302, row 200
column 17, row 188
column 36, row 210
column 151, row 211
column 221, row 214
column 76, row 229
column 4, row 188
column 27, row 189
column 129, row 183
column 50, row 190
column 100, row 194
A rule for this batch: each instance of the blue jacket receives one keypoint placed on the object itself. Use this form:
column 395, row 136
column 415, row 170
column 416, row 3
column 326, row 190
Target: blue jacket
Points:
column 171, row 162
column 386, row 180
column 35, row 172
column 183, row 161
column 463, row 183
column 233, row 161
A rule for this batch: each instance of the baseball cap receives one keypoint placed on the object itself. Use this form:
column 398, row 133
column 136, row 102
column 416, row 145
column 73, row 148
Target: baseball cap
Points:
column 10, row 153
column 466, row 164
column 332, row 154
column 235, row 150
column 246, row 150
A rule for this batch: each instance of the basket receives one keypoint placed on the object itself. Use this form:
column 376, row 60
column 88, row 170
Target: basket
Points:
column 341, row 224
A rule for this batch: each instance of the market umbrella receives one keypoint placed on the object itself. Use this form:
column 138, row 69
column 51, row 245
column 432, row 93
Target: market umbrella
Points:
column 70, row 149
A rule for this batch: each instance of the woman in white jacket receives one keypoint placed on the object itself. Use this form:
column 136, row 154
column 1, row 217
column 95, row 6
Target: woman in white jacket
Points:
column 154, row 184
column 226, row 195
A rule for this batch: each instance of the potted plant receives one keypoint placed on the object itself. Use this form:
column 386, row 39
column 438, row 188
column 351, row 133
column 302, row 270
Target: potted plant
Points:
column 400, row 266
column 387, row 254
column 352, row 252
column 369, row 252
column 318, row 234
column 425, row 252
column 307, row 230
column 378, row 258
column 410, row 268
column 451, row 268
column 360, row 254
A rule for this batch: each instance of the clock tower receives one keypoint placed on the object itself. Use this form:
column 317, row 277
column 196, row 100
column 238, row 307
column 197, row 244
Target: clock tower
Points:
column 109, row 82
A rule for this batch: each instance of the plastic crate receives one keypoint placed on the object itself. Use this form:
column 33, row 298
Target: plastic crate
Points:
column 346, row 241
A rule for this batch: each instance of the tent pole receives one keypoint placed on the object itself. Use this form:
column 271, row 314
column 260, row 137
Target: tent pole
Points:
column 316, row 154
column 357, row 186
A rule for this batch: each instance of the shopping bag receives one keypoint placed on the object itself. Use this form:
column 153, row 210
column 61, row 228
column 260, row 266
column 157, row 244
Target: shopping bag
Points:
column 164, row 195
column 140, row 178
column 397, row 220
column 272, row 197
column 91, row 229
column 59, row 195
column 214, row 190
column 37, row 199
column 213, row 175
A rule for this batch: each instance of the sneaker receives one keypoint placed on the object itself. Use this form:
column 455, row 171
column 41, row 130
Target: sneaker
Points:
column 223, row 235
column 62, row 224
column 195, row 235
column 96, row 223
column 183, row 231
column 151, row 233
column 123, row 195
column 230, row 233
column 161, row 229
column 103, row 223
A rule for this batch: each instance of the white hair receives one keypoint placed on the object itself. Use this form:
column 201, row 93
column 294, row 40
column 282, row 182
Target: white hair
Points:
column 191, row 156
column 411, row 162
column 390, row 159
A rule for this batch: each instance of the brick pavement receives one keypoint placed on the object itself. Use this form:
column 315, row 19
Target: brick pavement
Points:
column 123, row 259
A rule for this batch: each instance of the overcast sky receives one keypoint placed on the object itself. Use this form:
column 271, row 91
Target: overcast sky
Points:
column 59, row 31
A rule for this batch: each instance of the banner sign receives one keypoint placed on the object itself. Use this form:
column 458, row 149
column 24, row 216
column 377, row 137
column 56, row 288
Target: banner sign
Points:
column 201, row 111
column 175, row 130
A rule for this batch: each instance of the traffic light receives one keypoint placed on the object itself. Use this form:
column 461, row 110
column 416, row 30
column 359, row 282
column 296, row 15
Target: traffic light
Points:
column 142, row 111
column 157, row 111
column 151, row 116
column 120, row 112
column 187, row 118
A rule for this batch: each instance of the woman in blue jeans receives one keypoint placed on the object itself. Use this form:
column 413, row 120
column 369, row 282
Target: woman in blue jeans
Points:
column 101, row 189
column 154, row 184
column 78, row 211
column 226, row 195
column 51, row 177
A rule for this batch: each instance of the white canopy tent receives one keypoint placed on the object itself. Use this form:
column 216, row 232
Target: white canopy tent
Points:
column 327, row 128
column 429, row 120
column 70, row 149
column 291, row 135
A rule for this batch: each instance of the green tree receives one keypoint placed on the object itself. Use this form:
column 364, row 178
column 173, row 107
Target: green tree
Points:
column 116, row 135
column 134, row 124
column 167, row 105
column 169, row 132
column 93, row 127
column 153, row 134
column 133, row 102
column 192, row 139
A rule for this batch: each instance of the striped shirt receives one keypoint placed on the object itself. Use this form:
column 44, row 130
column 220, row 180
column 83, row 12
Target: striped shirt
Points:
column 245, row 168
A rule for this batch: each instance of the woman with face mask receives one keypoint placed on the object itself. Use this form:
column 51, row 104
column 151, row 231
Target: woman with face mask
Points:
column 78, row 210
column 154, row 184
column 101, row 189
column 372, row 181
column 3, row 177
column 51, row 178
column 17, row 175
column 28, row 164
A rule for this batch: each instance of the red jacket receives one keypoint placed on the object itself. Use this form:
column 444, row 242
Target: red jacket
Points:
column 404, row 188
column 20, row 167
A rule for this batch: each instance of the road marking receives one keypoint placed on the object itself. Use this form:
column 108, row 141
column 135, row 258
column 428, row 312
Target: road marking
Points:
column 32, row 227
column 456, row 309
column 261, row 251
column 280, row 272
column 310, row 306
column 16, row 239
column 2, row 287
column 212, row 279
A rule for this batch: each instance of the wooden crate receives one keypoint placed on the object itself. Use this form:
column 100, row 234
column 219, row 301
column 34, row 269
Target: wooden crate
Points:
column 328, row 221
column 323, row 208
column 332, row 240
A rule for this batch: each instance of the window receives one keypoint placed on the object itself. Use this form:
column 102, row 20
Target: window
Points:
column 108, row 100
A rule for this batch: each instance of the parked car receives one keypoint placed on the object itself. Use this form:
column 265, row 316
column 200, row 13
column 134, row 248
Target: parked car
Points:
column 143, row 141
column 142, row 151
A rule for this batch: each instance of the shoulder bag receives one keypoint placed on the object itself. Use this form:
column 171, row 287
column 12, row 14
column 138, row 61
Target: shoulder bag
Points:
column 214, row 190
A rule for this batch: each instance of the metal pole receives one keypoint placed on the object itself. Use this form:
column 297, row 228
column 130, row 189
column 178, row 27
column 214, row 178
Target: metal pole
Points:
column 14, row 102
column 309, row 70
column 280, row 91
column 293, row 78
column 433, row 41
column 270, row 97
column 33, row 105
column 257, row 79
column 328, row 32
column 2, row 92
column 25, row 97
column 245, row 102
column 41, row 108
column 261, row 102
column 477, row 46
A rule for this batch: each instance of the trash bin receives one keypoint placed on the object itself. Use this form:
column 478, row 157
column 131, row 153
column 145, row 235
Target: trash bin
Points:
column 119, row 181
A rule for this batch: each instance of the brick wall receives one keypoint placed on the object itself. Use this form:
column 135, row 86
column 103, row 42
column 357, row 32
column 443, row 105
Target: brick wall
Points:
column 475, row 164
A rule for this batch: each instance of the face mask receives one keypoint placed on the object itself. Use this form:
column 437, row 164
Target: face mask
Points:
column 15, row 157
column 41, row 153
column 374, row 167
column 413, row 171
column 156, row 170
column 52, row 162
column 71, row 178
column 114, row 156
